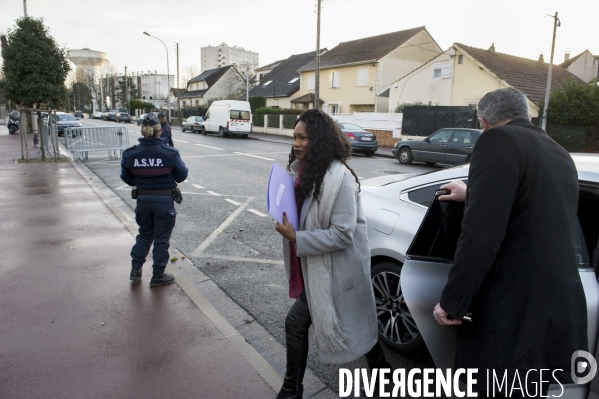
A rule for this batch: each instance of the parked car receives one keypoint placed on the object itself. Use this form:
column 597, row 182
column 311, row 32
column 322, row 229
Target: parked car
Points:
column 79, row 114
column 360, row 140
column 395, row 207
column 452, row 146
column 193, row 124
column 122, row 117
column 228, row 117
column 109, row 116
column 64, row 120
column 96, row 115
column 140, row 119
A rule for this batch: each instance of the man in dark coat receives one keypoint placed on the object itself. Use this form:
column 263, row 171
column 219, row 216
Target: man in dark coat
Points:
column 167, row 135
column 515, row 267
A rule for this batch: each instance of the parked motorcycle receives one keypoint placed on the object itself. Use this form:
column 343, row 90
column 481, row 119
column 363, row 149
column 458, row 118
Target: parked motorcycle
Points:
column 13, row 122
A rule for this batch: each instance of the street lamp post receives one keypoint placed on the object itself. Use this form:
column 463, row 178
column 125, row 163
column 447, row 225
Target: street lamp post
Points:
column 167, row 73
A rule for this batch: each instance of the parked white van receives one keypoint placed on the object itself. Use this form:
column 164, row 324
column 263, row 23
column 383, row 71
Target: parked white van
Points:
column 228, row 117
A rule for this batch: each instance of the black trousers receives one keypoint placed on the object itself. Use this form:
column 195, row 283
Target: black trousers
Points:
column 297, row 323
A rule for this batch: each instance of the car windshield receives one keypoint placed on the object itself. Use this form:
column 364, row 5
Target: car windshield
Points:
column 350, row 126
column 66, row 117
column 243, row 115
column 126, row 115
column 199, row 119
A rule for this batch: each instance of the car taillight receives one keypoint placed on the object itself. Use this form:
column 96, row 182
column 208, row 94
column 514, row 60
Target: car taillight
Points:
column 374, row 138
column 350, row 136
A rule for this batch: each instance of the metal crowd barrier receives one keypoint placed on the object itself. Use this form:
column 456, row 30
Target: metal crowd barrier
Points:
column 81, row 140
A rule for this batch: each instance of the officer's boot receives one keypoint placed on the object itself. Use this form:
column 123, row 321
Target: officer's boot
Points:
column 161, row 278
column 297, row 324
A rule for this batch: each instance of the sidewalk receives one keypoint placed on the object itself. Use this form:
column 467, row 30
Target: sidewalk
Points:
column 74, row 326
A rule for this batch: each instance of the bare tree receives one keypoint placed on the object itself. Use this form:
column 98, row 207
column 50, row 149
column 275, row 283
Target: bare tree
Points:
column 189, row 72
column 245, row 80
column 99, row 80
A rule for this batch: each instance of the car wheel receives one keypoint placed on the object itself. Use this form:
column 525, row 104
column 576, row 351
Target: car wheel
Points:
column 182, row 129
column 369, row 153
column 204, row 132
column 221, row 132
column 245, row 136
column 396, row 326
column 430, row 163
column 405, row 155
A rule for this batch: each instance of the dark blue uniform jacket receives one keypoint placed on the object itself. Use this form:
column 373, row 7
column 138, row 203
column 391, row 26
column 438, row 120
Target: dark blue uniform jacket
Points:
column 152, row 165
column 167, row 135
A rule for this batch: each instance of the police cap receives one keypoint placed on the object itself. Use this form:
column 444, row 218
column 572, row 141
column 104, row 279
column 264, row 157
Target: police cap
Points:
column 150, row 120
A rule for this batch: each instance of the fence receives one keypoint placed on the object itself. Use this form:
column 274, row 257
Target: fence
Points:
column 3, row 114
column 30, row 121
column 282, row 125
column 82, row 140
column 374, row 121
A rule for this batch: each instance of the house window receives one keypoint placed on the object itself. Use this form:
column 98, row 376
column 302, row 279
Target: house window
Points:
column 184, row 103
column 292, row 81
column 335, row 79
column 333, row 108
column 267, row 83
column 442, row 72
column 460, row 59
column 311, row 82
column 362, row 79
column 197, row 102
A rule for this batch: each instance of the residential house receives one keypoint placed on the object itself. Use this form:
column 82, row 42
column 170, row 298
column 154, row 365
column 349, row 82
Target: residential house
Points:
column 212, row 84
column 461, row 75
column 265, row 70
column 352, row 73
column 585, row 65
column 174, row 95
column 281, row 85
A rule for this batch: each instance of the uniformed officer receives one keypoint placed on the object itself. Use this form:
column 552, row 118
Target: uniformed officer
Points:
column 155, row 169
column 167, row 135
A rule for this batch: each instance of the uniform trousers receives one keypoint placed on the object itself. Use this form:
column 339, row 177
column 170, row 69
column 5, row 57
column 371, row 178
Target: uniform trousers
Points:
column 156, row 221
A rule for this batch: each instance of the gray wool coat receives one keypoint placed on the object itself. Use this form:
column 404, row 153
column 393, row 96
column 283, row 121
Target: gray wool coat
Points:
column 347, row 241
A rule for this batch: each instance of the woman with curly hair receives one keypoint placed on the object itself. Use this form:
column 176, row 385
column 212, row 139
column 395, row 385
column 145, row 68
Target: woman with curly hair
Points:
column 328, row 258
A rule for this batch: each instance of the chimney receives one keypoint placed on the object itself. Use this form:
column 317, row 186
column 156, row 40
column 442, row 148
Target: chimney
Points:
column 541, row 59
column 492, row 48
column 566, row 56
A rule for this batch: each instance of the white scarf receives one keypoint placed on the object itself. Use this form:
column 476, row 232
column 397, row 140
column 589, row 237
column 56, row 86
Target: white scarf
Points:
column 330, row 335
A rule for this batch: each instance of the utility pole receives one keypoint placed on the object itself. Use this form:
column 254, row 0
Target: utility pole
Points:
column 556, row 23
column 177, row 89
column 317, row 72
column 126, row 96
column 25, row 7
column 247, row 82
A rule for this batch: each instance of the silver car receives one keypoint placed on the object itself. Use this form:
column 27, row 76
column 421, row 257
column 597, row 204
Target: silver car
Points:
column 408, row 285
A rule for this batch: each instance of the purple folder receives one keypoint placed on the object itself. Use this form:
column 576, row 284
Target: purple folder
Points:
column 280, row 196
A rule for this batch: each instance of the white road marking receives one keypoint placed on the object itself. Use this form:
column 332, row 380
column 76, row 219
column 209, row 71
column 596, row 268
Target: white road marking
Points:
column 360, row 177
column 232, row 202
column 197, row 186
column 214, row 148
column 228, row 155
column 220, row 228
column 255, row 212
column 255, row 156
column 213, row 193
column 181, row 141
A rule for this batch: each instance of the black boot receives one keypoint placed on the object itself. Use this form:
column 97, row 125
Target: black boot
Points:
column 159, row 279
column 376, row 360
column 297, row 324
column 135, row 274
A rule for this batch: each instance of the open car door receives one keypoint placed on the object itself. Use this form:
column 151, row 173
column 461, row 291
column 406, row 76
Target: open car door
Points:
column 424, row 275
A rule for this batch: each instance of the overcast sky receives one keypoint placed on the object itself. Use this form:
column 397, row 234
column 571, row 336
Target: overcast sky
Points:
column 277, row 29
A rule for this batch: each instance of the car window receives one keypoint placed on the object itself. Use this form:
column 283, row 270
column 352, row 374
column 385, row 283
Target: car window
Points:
column 461, row 137
column 243, row 115
column 440, row 137
column 424, row 196
column 66, row 117
column 199, row 119
column 349, row 126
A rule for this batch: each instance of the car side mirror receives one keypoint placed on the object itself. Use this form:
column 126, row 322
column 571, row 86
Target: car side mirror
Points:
column 426, row 140
column 77, row 118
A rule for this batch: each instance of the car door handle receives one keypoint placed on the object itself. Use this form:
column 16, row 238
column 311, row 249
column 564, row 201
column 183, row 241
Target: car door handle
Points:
column 442, row 145
column 469, row 147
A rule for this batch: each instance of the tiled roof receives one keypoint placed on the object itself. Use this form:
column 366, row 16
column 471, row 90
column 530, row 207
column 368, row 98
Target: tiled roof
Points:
column 281, row 76
column 211, row 76
column 177, row 92
column 268, row 66
column 306, row 98
column 193, row 93
column 363, row 50
column 528, row 76
column 569, row 62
